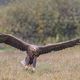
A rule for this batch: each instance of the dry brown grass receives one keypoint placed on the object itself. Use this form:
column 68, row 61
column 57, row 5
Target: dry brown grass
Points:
column 62, row 65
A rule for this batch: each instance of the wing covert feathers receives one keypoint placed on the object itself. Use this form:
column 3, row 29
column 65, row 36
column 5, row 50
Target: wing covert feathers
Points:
column 13, row 41
column 58, row 46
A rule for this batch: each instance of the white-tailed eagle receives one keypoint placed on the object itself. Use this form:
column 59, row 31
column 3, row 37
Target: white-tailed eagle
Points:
column 33, row 51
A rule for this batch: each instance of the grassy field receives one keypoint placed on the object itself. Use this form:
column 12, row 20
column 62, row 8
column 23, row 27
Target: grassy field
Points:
column 61, row 65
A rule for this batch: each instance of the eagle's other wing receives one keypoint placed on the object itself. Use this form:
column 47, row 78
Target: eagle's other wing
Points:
column 58, row 46
column 13, row 41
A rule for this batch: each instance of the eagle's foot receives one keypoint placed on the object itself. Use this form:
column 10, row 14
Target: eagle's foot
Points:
column 26, row 67
column 30, row 68
column 33, row 69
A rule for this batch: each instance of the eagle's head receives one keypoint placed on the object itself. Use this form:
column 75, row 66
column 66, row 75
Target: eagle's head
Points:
column 33, row 49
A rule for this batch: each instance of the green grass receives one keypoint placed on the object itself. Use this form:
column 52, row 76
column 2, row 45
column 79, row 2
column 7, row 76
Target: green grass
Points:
column 62, row 65
column 7, row 48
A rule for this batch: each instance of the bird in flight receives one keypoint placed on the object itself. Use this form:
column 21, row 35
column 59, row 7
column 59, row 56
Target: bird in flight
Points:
column 33, row 51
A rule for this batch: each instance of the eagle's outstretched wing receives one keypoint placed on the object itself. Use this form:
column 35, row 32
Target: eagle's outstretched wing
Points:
column 58, row 46
column 13, row 41
column 19, row 44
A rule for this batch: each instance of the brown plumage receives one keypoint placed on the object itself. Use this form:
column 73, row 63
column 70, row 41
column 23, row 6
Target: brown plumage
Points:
column 58, row 46
column 34, row 50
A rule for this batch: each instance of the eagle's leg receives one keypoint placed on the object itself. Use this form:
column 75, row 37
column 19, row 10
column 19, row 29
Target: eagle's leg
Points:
column 25, row 62
column 34, row 63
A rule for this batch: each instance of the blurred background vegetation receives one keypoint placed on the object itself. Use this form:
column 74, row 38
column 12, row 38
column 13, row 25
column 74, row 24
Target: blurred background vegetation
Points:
column 41, row 21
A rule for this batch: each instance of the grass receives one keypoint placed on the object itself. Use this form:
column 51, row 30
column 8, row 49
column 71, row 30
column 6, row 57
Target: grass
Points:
column 61, row 65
